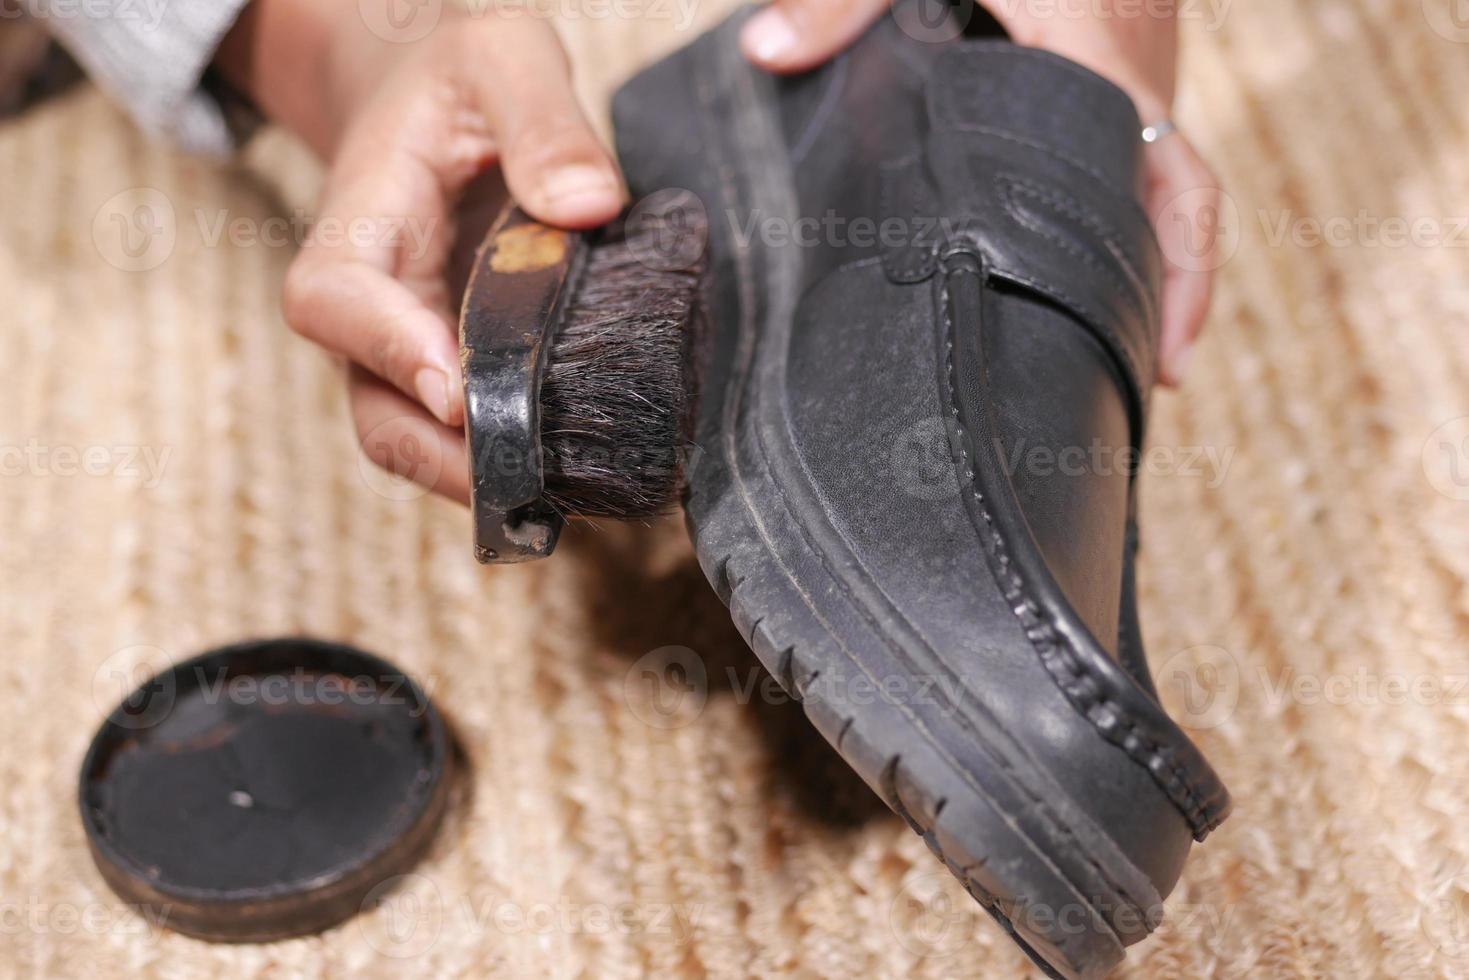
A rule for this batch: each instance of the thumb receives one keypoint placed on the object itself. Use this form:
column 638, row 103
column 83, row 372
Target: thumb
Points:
column 794, row 35
column 554, row 165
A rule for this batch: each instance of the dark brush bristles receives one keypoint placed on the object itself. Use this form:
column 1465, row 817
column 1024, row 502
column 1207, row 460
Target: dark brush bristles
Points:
column 616, row 396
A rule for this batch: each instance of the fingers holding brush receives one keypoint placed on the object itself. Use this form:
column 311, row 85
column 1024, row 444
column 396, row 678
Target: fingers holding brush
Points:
column 398, row 435
column 404, row 128
column 373, row 320
column 555, row 166
column 368, row 284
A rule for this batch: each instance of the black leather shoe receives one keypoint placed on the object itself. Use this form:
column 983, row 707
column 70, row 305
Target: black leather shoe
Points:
column 933, row 311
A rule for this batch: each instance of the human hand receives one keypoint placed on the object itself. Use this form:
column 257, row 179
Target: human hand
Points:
column 1137, row 49
column 403, row 127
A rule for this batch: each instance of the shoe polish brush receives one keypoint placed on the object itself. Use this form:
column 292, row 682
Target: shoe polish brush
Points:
column 578, row 350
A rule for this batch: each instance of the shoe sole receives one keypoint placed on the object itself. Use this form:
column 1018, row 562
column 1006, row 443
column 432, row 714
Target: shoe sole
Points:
column 1053, row 880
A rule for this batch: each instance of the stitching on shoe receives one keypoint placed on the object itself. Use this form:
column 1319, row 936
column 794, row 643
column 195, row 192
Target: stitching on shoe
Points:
column 1137, row 296
column 1104, row 183
column 1082, row 690
column 1012, row 186
column 912, row 263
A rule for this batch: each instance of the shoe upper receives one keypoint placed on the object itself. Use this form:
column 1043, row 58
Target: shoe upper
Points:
column 967, row 377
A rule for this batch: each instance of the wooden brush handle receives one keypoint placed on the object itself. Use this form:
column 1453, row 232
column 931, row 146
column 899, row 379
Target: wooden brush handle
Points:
column 516, row 288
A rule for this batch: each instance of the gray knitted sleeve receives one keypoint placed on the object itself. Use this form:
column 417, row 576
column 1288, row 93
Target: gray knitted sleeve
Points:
column 150, row 56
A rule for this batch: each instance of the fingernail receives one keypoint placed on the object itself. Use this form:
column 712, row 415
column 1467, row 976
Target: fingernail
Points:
column 1181, row 362
column 576, row 181
column 432, row 386
column 769, row 36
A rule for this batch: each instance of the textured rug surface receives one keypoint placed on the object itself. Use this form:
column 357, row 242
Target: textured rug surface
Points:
column 179, row 471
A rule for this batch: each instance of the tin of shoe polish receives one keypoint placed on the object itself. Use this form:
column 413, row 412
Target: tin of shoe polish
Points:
column 263, row 790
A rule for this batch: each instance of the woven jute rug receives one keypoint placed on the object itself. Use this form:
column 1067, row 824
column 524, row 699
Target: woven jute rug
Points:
column 180, row 472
